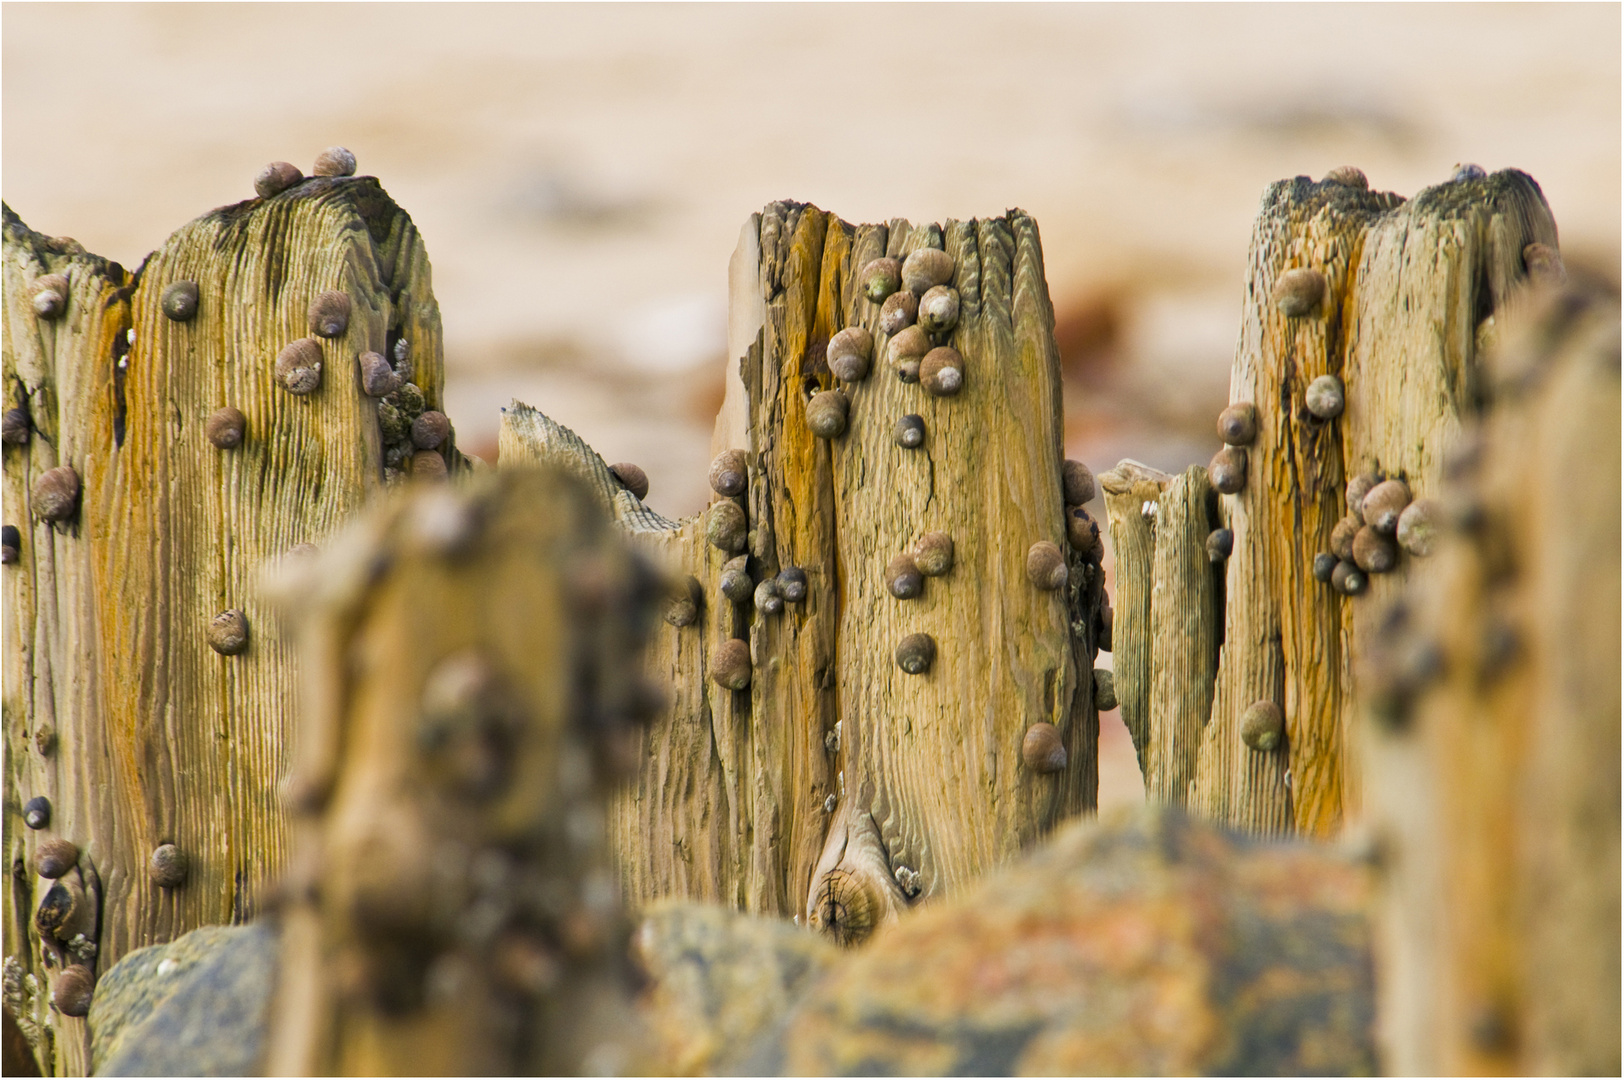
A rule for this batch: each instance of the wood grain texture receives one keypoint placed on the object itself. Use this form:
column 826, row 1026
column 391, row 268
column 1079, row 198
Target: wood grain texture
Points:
column 834, row 764
column 454, row 909
column 1129, row 489
column 1500, row 893
column 157, row 738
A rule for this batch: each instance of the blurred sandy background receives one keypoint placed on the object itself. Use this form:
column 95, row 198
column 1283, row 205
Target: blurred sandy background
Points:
column 580, row 173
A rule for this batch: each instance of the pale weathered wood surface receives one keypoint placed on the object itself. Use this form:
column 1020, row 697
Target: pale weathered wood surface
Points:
column 454, row 908
column 1492, row 705
column 834, row 764
column 1411, row 293
column 1132, row 492
column 117, row 709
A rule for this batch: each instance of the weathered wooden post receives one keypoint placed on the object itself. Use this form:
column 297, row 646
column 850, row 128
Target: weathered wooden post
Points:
column 168, row 433
column 870, row 653
column 1359, row 358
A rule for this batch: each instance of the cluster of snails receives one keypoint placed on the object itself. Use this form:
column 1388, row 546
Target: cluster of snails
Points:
column 1237, row 427
column 279, row 176
column 1381, row 519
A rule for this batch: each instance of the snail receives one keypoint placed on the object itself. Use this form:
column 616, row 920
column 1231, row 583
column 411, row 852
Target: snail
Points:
column 899, row 312
column 228, row 632
column 849, row 352
column 905, row 352
column 56, row 857
column 1342, row 534
column 334, row 161
column 1227, row 470
column 37, row 812
column 1325, row 398
column 769, row 601
column 880, row 278
column 1465, row 172
column 1384, row 504
column 683, row 604
column 729, row 473
column 1347, row 579
column 826, row 414
column 631, row 477
column 1324, row 563
column 910, row 431
column 938, row 310
column 1418, row 528
column 1237, row 425
column 1042, row 749
column 933, row 553
column 726, row 526
column 1373, row 552
column 11, row 544
column 903, row 578
column 1077, row 483
column 16, row 427
column 179, row 301
column 74, row 989
column 1543, row 263
column 330, row 314
column 1220, row 543
column 941, row 372
column 1046, row 566
column 1348, row 176
column 1105, row 698
column 276, row 177
column 167, row 867
column 50, row 295
column 730, row 664
column 735, row 583
column 792, row 584
column 1298, row 292
column 1083, row 534
column 298, row 366
column 1358, row 488
column 1262, row 725
column 429, row 465
column 915, row 653
column 225, row 428
column 56, row 494
column 378, row 378
column 925, row 269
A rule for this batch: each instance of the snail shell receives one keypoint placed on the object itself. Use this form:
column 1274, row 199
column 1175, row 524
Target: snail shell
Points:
column 1262, row 725
column 1105, row 698
column 334, row 161
column 1342, row 534
column 37, row 812
column 56, row 494
column 1324, row 564
column 1083, row 534
column 792, row 584
column 730, row 664
column 1418, row 528
column 11, row 544
column 632, row 477
column 915, row 653
column 683, row 603
column 330, row 314
column 1348, row 579
column 225, row 428
column 735, row 583
column 1237, row 425
column 939, row 309
column 1325, row 398
column 726, row 526
column 905, row 352
column 50, row 295
column 429, row 465
column 179, row 301
column 899, row 311
column 1348, row 176
column 1299, row 292
column 1077, row 483
column 1227, row 470
column 1384, row 504
column 925, row 269
column 228, row 632
column 276, row 177
column 933, row 553
column 56, row 857
column 880, row 278
column 729, row 473
column 378, row 378
column 769, row 601
column 74, row 989
column 826, row 414
column 903, row 578
column 941, row 372
column 1373, row 552
column 910, row 431
column 849, row 353
column 1358, row 488
column 167, row 867
column 432, row 427
column 1046, row 566
column 1465, row 172
column 298, row 366
column 1220, row 543
column 1042, row 750
column 16, row 427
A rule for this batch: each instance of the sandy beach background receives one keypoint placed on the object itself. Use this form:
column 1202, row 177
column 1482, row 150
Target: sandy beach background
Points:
column 580, row 172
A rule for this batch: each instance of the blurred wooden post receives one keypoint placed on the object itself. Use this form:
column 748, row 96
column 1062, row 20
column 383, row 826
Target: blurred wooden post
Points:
column 117, row 709
column 1408, row 297
column 835, row 771
column 471, row 657
column 1492, row 702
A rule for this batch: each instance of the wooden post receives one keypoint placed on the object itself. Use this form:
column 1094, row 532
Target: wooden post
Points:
column 836, row 784
column 1389, row 304
column 1492, row 703
column 471, row 655
column 148, row 689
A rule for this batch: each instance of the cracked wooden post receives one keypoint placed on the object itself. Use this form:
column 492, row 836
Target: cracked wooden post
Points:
column 1361, row 333
column 471, row 656
column 147, row 687
column 1492, row 703
column 838, row 783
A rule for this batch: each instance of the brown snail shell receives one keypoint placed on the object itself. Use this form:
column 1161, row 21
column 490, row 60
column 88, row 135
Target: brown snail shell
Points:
column 735, row 583
column 1324, row 564
column 16, row 428
column 941, row 372
column 1383, row 505
column 11, row 544
column 900, row 311
column 1227, row 470
column 1467, row 171
column 1373, row 552
column 228, row 632
column 910, row 431
column 1342, row 534
column 1348, row 579
column 1046, row 566
column 903, row 578
column 1237, row 425
column 769, row 601
column 880, row 278
column 730, row 664
column 933, row 553
column 826, row 414
column 1298, row 292
column 1325, row 397
column 334, row 161
column 378, row 378
column 939, row 309
column 925, row 269
column 1105, row 698
column 429, row 465
column 1104, row 627
column 730, row 473
column 276, row 177
column 179, row 301
column 1543, row 263
column 1262, row 725
column 1083, row 534
column 74, row 989
column 684, row 603
column 298, row 366
column 167, row 867
column 1358, row 488
column 37, row 812
column 726, row 526
column 1077, row 483
column 1348, row 176
column 1042, row 750
column 432, row 427
column 849, row 353
column 915, row 653
column 330, row 314
column 632, row 477
column 50, row 295
column 906, row 350
column 225, row 428
column 56, row 494
column 792, row 584
column 55, row 857
column 1418, row 528
column 1220, row 544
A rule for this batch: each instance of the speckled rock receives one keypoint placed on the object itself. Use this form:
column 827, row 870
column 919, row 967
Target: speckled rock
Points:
column 194, row 1007
column 1147, row 945
column 719, row 979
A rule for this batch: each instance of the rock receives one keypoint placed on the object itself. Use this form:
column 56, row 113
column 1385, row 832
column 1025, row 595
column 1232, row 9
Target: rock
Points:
column 1151, row 944
column 194, row 1007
